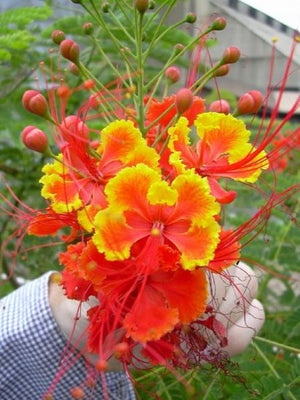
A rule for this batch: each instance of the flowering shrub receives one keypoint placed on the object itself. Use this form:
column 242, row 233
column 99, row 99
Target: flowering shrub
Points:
column 138, row 185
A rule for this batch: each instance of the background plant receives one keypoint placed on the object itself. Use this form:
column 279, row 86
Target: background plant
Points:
column 270, row 368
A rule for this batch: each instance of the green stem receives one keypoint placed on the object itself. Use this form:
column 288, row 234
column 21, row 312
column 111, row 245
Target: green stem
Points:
column 281, row 345
column 281, row 243
column 141, row 72
column 121, row 26
column 175, row 57
column 272, row 369
column 210, row 386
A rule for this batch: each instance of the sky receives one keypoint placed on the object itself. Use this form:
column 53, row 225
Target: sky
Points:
column 287, row 11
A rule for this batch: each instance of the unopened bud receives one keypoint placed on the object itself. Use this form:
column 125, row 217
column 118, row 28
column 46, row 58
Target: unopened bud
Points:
column 184, row 99
column 105, row 7
column 231, row 55
column 219, row 24
column 141, row 5
column 74, row 126
column 172, row 74
column 152, row 4
column 88, row 28
column 102, row 365
column 121, row 349
column 73, row 68
column 34, row 102
column 35, row 139
column 191, row 18
column 220, row 106
column 77, row 393
column 250, row 102
column 58, row 36
column 178, row 48
column 222, row 70
column 69, row 50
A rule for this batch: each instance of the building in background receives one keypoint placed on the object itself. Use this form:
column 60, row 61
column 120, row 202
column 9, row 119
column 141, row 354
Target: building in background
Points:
column 252, row 32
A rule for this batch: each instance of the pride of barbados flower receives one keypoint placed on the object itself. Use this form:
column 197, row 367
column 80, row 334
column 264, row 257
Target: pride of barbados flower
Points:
column 138, row 191
column 144, row 207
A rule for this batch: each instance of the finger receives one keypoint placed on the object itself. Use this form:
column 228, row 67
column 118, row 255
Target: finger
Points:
column 218, row 286
column 242, row 332
column 242, row 290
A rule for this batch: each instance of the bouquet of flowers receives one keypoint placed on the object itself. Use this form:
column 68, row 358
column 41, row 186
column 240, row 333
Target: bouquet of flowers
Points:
column 140, row 185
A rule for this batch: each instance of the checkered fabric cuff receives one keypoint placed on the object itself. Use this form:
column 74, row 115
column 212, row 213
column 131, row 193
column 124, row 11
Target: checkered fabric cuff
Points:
column 31, row 346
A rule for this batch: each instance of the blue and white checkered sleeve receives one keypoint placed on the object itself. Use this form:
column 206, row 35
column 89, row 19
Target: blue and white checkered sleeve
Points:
column 31, row 345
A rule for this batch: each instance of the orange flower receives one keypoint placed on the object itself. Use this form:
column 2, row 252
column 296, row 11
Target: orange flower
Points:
column 223, row 150
column 141, row 205
column 165, row 110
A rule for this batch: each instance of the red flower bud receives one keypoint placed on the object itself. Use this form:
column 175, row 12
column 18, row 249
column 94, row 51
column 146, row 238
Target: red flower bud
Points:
column 69, row 50
column 250, row 102
column 34, row 139
column 77, row 393
column 73, row 68
column 184, row 100
column 219, row 24
column 173, row 74
column 74, row 126
column 231, row 55
column 221, row 71
column 34, row 102
column 220, row 106
column 101, row 365
column 58, row 36
column 141, row 5
column 121, row 349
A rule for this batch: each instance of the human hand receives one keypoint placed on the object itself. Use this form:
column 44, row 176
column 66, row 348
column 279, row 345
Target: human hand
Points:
column 232, row 294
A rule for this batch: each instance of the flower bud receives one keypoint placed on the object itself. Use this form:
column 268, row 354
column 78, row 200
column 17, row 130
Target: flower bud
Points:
column 73, row 68
column 121, row 349
column 220, row 106
column 34, row 139
column 101, row 365
column 105, row 7
column 191, row 18
column 219, row 24
column 88, row 28
column 222, row 70
column 184, row 99
column 152, row 4
column 231, row 55
column 77, row 393
column 74, row 126
column 178, row 48
column 250, row 102
column 34, row 102
column 172, row 74
column 69, row 50
column 58, row 36
column 141, row 5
